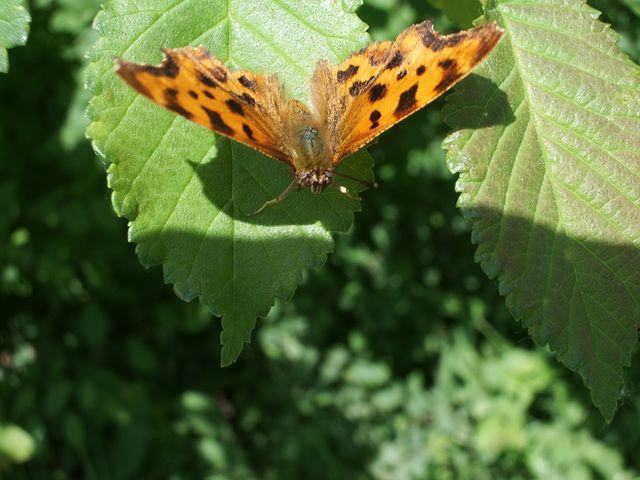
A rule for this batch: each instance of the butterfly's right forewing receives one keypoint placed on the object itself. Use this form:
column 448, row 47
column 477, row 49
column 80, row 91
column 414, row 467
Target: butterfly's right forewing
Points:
column 385, row 82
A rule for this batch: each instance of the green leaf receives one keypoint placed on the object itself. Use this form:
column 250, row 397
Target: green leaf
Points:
column 547, row 149
column 461, row 13
column 186, row 192
column 14, row 28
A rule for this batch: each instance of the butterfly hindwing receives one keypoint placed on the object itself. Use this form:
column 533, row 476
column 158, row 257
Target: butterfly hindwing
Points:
column 241, row 105
column 386, row 81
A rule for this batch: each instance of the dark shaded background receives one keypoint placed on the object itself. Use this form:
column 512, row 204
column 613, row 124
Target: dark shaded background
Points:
column 396, row 360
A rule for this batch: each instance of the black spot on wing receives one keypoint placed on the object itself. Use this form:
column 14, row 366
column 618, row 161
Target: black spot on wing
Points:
column 401, row 74
column 447, row 64
column 179, row 110
column 193, row 94
column 171, row 102
column 206, row 79
column 377, row 92
column 420, row 70
column 448, row 79
column 247, row 83
column 374, row 117
column 359, row 86
column 434, row 41
column 407, row 101
column 249, row 99
column 450, row 75
column 454, row 39
column 208, row 94
column 430, row 39
column 217, row 123
column 235, row 107
column 247, row 130
column 356, row 88
column 395, row 61
column 344, row 75
column 170, row 67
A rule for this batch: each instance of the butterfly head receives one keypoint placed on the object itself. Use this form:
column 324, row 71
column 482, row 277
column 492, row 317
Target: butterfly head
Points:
column 316, row 180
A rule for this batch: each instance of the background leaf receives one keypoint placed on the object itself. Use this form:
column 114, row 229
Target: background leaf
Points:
column 461, row 13
column 14, row 28
column 187, row 192
column 634, row 6
column 551, row 183
column 16, row 445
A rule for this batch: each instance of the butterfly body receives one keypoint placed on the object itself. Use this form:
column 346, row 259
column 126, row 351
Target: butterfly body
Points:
column 312, row 162
column 351, row 103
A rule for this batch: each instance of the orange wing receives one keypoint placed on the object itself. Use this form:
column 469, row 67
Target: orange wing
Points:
column 383, row 83
column 190, row 81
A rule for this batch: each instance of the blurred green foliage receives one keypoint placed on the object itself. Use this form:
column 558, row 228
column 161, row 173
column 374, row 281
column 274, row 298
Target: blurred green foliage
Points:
column 397, row 360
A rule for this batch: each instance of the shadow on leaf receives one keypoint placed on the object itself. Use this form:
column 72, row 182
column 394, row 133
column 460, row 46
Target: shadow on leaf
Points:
column 579, row 295
column 242, row 180
column 492, row 109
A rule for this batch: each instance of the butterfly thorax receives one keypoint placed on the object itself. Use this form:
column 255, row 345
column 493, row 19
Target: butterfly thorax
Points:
column 314, row 168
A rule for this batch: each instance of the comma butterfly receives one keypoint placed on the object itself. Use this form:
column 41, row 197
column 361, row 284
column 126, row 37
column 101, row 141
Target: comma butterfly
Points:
column 350, row 104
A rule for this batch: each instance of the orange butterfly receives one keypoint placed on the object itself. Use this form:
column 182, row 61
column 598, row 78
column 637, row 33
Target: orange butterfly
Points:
column 351, row 103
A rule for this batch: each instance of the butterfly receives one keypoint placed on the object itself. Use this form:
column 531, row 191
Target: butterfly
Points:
column 350, row 104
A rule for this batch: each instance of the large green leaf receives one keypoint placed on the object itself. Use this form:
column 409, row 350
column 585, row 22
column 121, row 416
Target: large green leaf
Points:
column 186, row 192
column 14, row 28
column 550, row 181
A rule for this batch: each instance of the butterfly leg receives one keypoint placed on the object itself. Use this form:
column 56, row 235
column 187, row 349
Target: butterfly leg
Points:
column 293, row 186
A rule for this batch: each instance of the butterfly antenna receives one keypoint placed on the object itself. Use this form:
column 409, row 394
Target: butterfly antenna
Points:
column 294, row 185
column 361, row 182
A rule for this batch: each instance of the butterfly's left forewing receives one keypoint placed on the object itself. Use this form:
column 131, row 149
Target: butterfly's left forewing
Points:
column 241, row 105
column 386, row 81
